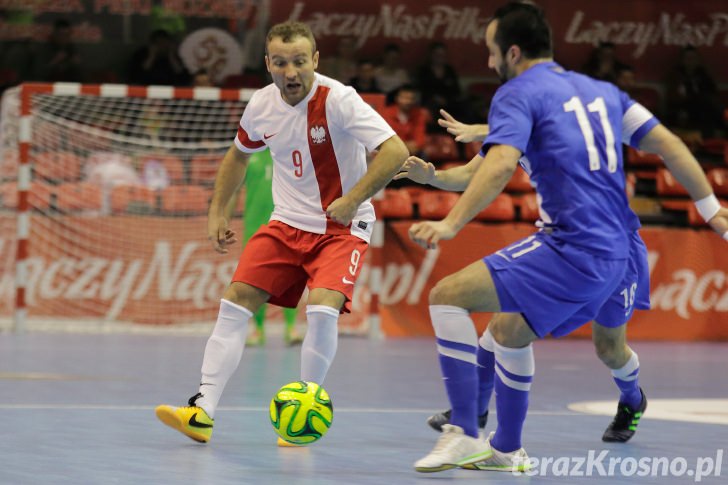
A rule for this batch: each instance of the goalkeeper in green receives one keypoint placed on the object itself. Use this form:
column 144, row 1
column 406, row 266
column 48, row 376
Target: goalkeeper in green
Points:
column 258, row 208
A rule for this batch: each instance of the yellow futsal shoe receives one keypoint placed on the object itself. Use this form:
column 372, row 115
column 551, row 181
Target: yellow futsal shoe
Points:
column 191, row 421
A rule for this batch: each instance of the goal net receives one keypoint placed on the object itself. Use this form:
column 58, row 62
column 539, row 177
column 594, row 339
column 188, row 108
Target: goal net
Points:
column 103, row 203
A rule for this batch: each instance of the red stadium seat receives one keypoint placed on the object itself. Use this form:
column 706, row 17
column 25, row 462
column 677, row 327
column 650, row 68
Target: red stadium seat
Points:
column 528, row 204
column 501, row 209
column 57, row 166
column 414, row 191
column 174, row 166
column 519, row 182
column 449, row 165
column 133, row 198
column 203, row 169
column 668, row 186
column 8, row 195
column 375, row 100
column 714, row 146
column 440, row 148
column 694, row 217
column 78, row 196
column 436, row 204
column 39, row 195
column 638, row 157
column 718, row 178
column 397, row 204
column 185, row 200
column 472, row 149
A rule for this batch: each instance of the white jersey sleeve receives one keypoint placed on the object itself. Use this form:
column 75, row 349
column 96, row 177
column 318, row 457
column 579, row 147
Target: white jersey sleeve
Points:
column 350, row 113
column 247, row 139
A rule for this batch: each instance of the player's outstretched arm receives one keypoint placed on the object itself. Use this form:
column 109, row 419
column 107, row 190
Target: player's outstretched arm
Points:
column 390, row 157
column 454, row 179
column 229, row 176
column 686, row 170
column 489, row 180
column 464, row 133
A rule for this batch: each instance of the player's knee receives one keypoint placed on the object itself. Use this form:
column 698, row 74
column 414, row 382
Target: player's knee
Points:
column 245, row 295
column 441, row 294
column 609, row 351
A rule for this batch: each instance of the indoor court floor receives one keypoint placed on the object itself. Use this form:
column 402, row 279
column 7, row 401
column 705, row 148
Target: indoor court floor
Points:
column 79, row 409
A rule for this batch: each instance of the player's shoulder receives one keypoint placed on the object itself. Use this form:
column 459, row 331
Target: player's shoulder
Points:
column 337, row 90
column 264, row 94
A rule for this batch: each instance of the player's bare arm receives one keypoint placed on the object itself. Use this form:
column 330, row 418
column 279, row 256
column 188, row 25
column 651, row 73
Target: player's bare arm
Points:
column 229, row 176
column 489, row 180
column 463, row 132
column 454, row 179
column 686, row 170
column 390, row 157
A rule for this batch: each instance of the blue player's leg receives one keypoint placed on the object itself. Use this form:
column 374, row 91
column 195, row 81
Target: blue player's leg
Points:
column 612, row 349
column 609, row 332
column 451, row 301
column 485, row 359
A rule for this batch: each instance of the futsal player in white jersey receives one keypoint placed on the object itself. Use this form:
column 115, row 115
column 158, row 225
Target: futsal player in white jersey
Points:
column 318, row 132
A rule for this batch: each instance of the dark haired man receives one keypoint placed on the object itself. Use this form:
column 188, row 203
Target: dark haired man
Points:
column 586, row 263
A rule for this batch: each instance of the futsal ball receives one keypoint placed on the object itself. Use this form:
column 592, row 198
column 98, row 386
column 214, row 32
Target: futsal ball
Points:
column 301, row 412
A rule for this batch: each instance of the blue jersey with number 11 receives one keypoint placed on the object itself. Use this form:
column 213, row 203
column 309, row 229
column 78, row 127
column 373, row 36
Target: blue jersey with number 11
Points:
column 570, row 129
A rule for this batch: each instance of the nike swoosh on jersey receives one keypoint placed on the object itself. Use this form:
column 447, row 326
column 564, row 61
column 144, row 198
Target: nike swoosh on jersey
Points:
column 266, row 135
column 197, row 424
column 346, row 281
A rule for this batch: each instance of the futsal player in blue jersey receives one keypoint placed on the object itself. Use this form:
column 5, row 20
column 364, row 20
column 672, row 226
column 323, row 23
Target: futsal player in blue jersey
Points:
column 587, row 261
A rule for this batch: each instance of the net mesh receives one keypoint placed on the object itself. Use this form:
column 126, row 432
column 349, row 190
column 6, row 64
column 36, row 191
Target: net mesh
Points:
column 119, row 195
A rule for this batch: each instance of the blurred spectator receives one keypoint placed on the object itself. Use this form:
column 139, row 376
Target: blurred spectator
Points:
column 438, row 82
column 603, row 63
column 58, row 59
column 365, row 80
column 625, row 78
column 343, row 66
column 201, row 79
column 158, row 63
column 155, row 175
column 391, row 75
column 693, row 99
column 408, row 119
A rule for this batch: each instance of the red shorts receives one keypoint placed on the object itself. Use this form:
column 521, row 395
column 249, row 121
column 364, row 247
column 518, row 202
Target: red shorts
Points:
column 282, row 260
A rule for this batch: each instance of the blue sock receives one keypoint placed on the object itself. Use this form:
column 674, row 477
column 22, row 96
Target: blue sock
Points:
column 456, row 345
column 514, row 371
column 627, row 379
column 486, row 371
column 461, row 385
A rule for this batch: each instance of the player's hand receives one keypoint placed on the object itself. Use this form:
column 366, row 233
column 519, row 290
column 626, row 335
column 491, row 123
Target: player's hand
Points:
column 417, row 170
column 428, row 234
column 464, row 133
column 342, row 210
column 219, row 234
column 719, row 223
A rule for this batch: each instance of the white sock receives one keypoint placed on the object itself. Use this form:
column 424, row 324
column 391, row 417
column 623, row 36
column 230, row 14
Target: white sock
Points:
column 222, row 353
column 319, row 345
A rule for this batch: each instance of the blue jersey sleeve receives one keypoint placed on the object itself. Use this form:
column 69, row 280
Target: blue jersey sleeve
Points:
column 637, row 121
column 510, row 120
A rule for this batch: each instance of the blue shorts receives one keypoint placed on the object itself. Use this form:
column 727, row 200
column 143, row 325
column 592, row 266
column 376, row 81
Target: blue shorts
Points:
column 634, row 290
column 555, row 286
